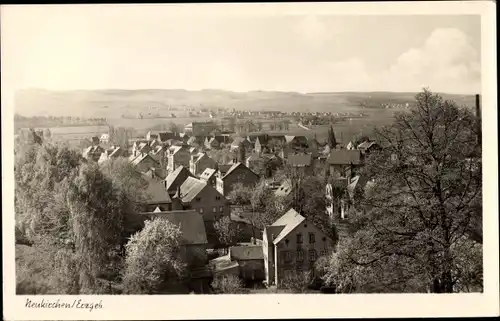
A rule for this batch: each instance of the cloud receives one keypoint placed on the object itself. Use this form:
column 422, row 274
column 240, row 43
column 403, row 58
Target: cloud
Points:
column 446, row 62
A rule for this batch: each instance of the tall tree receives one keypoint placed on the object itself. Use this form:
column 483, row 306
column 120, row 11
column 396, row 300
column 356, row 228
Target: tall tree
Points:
column 97, row 216
column 332, row 141
column 423, row 200
column 227, row 232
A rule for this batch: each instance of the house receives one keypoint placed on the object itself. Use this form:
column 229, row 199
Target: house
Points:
column 250, row 260
column 292, row 244
column 301, row 162
column 350, row 146
column 93, row 153
column 178, row 156
column 242, row 220
column 296, row 141
column 344, row 162
column 240, row 141
column 113, row 152
column 286, row 151
column 253, row 161
column 157, row 196
column 222, row 169
column 276, row 142
column 104, row 138
column 209, row 176
column 140, row 147
column 196, row 141
column 193, row 246
column 150, row 136
column 200, row 128
column 175, row 179
column 285, row 189
column 143, row 163
column 198, row 195
column 212, row 143
column 95, row 140
column 238, row 173
column 199, row 162
column 368, row 146
column 165, row 136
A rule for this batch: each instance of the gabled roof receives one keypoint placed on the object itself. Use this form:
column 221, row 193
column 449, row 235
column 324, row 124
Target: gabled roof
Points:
column 272, row 232
column 234, row 167
column 208, row 173
column 350, row 146
column 163, row 137
column 290, row 220
column 299, row 159
column 139, row 159
column 189, row 222
column 344, row 157
column 190, row 189
column 157, row 192
column 177, row 177
column 224, row 168
column 118, row 151
column 254, row 157
column 242, row 253
column 366, row 145
column 175, row 149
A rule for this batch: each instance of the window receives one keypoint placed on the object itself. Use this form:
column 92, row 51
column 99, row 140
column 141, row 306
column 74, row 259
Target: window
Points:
column 312, row 255
column 300, row 255
column 214, row 209
column 288, row 256
column 299, row 238
column 324, row 252
column 201, row 210
column 217, row 198
column 312, row 238
column 198, row 199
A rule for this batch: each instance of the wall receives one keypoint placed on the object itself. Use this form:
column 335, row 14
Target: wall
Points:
column 208, row 199
column 239, row 175
column 252, row 269
column 200, row 166
column 320, row 246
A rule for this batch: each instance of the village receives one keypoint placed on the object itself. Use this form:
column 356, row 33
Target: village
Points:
column 189, row 188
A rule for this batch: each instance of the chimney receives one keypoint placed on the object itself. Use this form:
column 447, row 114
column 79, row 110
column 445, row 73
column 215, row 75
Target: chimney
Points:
column 478, row 120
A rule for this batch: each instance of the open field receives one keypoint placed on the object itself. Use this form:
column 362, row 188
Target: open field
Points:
column 114, row 104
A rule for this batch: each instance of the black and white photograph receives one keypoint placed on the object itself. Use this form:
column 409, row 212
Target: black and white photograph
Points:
column 179, row 150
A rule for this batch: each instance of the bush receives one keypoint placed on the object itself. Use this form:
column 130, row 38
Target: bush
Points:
column 228, row 284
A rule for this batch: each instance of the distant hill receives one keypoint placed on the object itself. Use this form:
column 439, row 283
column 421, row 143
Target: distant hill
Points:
column 114, row 102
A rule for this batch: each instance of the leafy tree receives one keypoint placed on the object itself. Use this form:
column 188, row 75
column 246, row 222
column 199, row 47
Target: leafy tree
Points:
column 227, row 232
column 173, row 128
column 423, row 200
column 97, row 216
column 297, row 281
column 153, row 259
column 240, row 194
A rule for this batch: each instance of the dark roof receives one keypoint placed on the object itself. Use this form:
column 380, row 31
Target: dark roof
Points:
column 139, row 159
column 224, row 168
column 177, row 177
column 299, row 159
column 235, row 166
column 241, row 253
column 189, row 222
column 157, row 192
column 344, row 157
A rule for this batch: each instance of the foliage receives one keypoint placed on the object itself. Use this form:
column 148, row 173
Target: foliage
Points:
column 97, row 217
column 332, row 141
column 228, row 284
column 297, row 281
column 421, row 203
column 153, row 258
column 226, row 231
column 240, row 194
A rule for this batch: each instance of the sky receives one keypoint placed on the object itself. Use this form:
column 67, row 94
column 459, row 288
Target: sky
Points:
column 91, row 47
